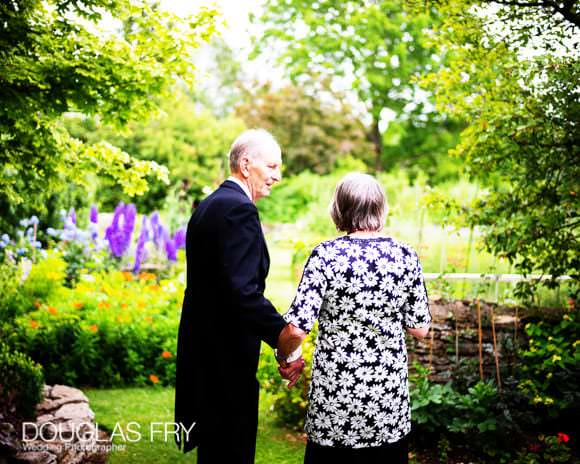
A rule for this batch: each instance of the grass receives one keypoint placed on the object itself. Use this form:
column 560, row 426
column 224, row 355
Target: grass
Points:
column 149, row 405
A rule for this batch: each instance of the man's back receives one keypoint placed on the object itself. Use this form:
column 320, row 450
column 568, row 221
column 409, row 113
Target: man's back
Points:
column 224, row 317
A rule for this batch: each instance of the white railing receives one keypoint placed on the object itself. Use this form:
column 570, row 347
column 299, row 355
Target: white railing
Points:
column 492, row 277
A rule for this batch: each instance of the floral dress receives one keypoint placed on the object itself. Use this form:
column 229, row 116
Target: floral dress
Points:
column 364, row 293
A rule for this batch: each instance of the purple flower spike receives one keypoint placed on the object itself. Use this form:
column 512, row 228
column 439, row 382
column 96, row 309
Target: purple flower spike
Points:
column 141, row 252
column 179, row 238
column 73, row 216
column 94, row 214
column 119, row 233
column 156, row 228
column 170, row 247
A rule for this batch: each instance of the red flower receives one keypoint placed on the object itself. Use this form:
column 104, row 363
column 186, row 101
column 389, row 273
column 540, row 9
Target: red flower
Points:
column 562, row 437
column 534, row 448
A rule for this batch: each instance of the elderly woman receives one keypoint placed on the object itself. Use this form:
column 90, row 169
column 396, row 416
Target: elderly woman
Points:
column 365, row 289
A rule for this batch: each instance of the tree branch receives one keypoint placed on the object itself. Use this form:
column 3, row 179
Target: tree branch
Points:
column 566, row 10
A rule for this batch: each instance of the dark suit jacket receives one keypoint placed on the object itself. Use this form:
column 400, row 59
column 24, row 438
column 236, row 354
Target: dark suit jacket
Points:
column 224, row 317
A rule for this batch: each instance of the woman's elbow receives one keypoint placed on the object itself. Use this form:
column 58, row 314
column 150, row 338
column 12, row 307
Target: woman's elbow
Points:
column 419, row 332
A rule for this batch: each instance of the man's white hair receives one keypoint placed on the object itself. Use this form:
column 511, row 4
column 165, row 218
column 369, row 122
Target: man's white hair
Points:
column 252, row 143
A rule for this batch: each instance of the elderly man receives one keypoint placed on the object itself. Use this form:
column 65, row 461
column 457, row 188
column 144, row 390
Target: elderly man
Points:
column 225, row 314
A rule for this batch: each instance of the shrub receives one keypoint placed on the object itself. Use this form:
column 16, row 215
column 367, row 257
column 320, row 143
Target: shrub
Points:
column 289, row 403
column 21, row 384
column 112, row 329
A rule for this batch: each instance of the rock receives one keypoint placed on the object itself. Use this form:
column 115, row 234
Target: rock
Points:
column 71, row 394
column 75, row 412
column 36, row 457
column 64, row 432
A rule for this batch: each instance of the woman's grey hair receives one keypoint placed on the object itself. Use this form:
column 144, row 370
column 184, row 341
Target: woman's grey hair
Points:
column 251, row 143
column 359, row 203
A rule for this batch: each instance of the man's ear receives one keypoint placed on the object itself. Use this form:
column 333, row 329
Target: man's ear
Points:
column 245, row 166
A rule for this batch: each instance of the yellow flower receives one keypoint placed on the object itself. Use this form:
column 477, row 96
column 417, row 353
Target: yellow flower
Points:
column 556, row 358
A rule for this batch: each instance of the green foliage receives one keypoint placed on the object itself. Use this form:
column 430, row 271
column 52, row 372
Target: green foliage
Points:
column 111, row 329
column 191, row 142
column 314, row 133
column 522, row 140
column 550, row 449
column 20, row 386
column 9, row 290
column 289, row 403
column 56, row 58
column 550, row 367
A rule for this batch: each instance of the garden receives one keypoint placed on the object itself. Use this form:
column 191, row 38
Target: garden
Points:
column 116, row 121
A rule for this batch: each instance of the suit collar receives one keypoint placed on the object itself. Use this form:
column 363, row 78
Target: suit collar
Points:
column 240, row 184
column 234, row 186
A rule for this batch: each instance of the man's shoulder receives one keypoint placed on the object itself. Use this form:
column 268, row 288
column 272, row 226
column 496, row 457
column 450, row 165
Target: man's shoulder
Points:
column 227, row 196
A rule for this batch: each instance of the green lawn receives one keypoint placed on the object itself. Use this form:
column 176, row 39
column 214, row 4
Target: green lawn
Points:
column 149, row 405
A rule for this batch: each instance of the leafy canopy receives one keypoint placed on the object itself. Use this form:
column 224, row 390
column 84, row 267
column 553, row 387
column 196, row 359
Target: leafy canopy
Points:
column 522, row 140
column 377, row 45
column 56, row 56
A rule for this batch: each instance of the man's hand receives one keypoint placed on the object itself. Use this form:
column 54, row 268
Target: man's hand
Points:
column 291, row 371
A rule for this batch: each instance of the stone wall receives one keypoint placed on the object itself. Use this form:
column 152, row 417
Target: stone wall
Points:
column 63, row 433
column 453, row 340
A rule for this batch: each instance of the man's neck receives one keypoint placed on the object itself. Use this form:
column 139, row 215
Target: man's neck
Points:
column 242, row 183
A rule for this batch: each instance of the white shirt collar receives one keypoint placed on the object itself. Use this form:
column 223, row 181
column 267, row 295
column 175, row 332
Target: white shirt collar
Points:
column 242, row 185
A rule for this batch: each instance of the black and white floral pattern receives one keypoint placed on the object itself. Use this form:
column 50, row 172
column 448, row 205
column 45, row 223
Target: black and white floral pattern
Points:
column 364, row 292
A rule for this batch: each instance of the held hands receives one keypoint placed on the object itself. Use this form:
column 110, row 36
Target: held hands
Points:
column 288, row 355
column 291, row 371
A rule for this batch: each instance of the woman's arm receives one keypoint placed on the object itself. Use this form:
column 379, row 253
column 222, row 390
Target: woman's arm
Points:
column 419, row 332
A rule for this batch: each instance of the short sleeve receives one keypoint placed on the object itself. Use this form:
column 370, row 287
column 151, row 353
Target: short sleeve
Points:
column 416, row 309
column 310, row 294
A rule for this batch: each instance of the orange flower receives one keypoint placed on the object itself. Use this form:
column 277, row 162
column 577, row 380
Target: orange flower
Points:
column 78, row 304
column 166, row 355
column 147, row 276
column 124, row 305
column 128, row 276
column 37, row 304
column 52, row 310
column 140, row 304
column 154, row 288
column 103, row 305
column 34, row 324
column 154, row 378
column 148, row 319
column 93, row 328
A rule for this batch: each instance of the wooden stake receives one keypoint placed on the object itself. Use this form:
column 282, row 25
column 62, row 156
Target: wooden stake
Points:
column 431, row 349
column 495, row 353
column 516, row 323
column 456, row 338
column 479, row 338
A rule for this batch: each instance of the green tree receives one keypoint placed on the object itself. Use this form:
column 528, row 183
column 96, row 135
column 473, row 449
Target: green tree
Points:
column 522, row 141
column 189, row 140
column 56, row 57
column 314, row 134
column 378, row 45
